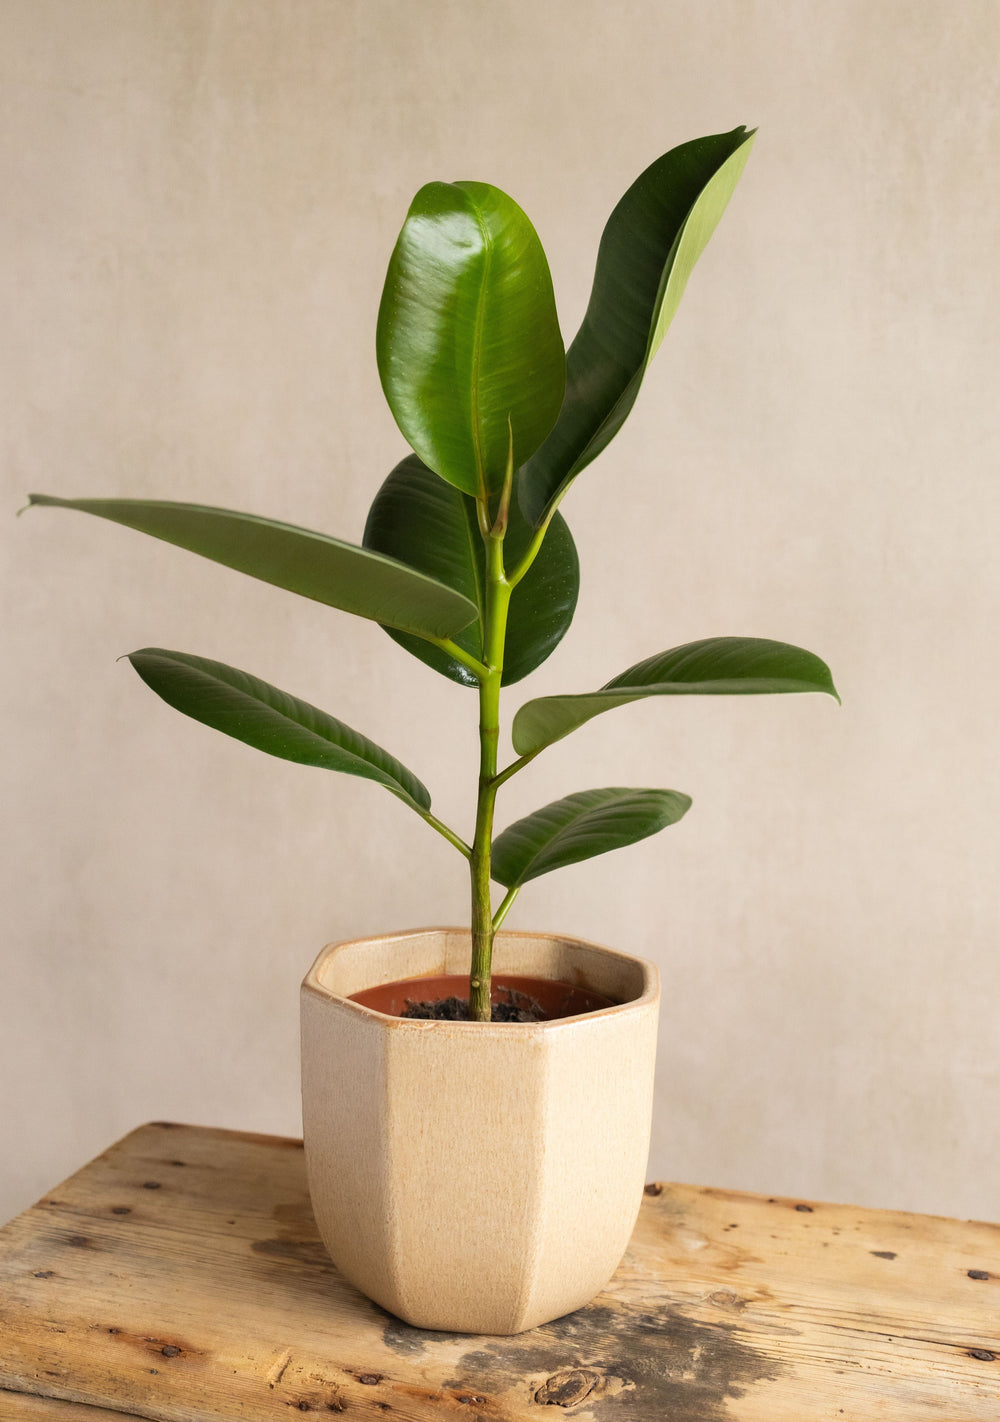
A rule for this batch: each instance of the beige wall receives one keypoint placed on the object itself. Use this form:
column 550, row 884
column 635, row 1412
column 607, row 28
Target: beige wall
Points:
column 199, row 200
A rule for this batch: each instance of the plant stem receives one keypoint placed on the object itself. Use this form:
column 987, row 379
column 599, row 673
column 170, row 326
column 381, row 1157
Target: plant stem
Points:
column 504, row 908
column 533, row 547
column 454, row 650
column 448, row 834
column 515, row 766
column 498, row 592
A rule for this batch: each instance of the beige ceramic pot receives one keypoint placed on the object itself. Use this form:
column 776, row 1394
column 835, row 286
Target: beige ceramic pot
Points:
column 469, row 1176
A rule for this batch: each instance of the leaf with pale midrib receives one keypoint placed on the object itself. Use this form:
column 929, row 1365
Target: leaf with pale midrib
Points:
column 649, row 248
column 579, row 827
column 468, row 343
column 270, row 720
column 715, row 666
column 311, row 564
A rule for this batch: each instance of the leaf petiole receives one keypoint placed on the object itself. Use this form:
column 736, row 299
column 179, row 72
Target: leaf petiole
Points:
column 514, row 767
column 446, row 833
column 478, row 669
column 533, row 547
column 505, row 906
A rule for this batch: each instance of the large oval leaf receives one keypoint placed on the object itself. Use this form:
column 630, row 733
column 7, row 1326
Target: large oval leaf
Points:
column 715, row 666
column 432, row 526
column 650, row 245
column 253, row 711
column 468, row 341
column 579, row 827
column 312, row 564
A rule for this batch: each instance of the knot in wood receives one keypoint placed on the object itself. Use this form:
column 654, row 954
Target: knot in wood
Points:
column 569, row 1387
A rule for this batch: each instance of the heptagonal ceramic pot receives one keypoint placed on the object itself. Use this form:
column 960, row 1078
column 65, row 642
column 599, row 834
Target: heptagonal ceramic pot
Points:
column 468, row 1176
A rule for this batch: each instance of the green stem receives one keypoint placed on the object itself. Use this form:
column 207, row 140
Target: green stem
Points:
column 532, row 550
column 504, row 908
column 498, row 592
column 448, row 834
column 515, row 766
column 478, row 670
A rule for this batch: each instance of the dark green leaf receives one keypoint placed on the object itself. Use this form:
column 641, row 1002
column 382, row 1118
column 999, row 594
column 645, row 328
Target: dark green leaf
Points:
column 579, row 827
column 243, row 706
column 468, row 336
column 432, row 526
column 716, row 666
column 650, row 245
column 338, row 574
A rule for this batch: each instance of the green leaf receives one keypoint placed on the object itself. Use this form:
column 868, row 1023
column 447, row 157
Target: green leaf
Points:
column 312, row 564
column 650, row 245
column 579, row 827
column 716, row 666
column 432, row 526
column 468, row 338
column 251, row 710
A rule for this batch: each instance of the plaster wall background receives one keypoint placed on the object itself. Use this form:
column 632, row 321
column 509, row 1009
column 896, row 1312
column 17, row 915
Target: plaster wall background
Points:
column 200, row 197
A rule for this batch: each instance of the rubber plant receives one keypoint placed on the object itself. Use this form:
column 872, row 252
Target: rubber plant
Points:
column 466, row 560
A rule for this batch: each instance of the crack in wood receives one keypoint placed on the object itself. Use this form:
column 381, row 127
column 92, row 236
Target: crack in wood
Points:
column 278, row 1371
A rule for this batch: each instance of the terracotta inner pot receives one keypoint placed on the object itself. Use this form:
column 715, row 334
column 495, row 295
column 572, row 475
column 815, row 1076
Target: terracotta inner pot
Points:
column 557, row 999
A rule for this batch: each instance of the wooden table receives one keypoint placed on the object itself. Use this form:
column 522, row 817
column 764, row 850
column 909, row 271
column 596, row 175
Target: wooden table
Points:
column 179, row 1277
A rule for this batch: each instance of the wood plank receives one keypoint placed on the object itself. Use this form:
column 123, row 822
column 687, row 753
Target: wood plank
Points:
column 23, row 1407
column 180, row 1278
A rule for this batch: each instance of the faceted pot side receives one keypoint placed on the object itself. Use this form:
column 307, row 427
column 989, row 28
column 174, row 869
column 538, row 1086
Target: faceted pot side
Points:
column 477, row 1177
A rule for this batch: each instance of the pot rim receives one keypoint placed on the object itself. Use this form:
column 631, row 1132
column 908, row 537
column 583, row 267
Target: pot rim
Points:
column 648, row 997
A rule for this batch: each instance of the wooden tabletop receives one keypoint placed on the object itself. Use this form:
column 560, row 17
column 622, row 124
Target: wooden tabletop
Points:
column 179, row 1277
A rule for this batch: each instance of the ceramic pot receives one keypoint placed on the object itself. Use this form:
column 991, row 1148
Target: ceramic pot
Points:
column 469, row 1176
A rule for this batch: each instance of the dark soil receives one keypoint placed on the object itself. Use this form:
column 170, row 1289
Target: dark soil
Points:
column 519, row 1008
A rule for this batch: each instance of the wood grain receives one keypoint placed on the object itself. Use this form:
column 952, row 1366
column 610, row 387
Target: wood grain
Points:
column 27, row 1407
column 179, row 1278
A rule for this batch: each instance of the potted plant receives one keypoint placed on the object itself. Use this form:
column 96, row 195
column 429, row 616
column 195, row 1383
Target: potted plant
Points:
column 470, row 1172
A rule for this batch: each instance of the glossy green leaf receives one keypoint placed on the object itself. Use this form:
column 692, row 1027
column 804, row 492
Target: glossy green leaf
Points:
column 312, row 564
column 468, row 341
column 432, row 526
column 650, row 245
column 579, row 827
column 251, row 710
column 716, row 666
